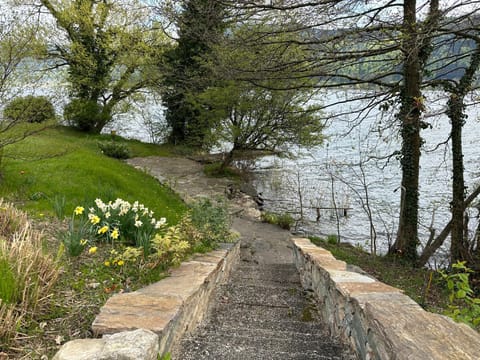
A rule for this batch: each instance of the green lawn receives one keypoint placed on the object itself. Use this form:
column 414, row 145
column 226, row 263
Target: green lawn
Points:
column 63, row 164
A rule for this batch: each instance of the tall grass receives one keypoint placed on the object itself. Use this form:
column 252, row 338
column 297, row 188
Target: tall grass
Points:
column 26, row 273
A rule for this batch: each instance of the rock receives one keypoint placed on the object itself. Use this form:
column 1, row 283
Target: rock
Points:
column 127, row 345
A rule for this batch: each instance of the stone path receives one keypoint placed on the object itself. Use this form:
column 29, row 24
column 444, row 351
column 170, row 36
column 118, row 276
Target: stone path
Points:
column 262, row 312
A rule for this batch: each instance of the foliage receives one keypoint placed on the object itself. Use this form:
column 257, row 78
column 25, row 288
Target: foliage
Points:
column 84, row 114
column 199, row 24
column 110, row 48
column 285, row 221
column 32, row 109
column 271, row 114
column 217, row 170
column 28, row 273
column 170, row 248
column 463, row 305
column 114, row 149
column 212, row 221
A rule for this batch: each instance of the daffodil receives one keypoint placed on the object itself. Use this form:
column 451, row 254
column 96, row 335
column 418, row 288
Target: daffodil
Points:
column 83, row 242
column 138, row 223
column 103, row 229
column 106, row 263
column 120, row 262
column 94, row 219
column 114, row 234
column 79, row 210
column 92, row 250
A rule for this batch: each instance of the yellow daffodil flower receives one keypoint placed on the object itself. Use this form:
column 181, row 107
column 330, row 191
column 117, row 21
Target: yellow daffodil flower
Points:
column 83, row 242
column 115, row 234
column 106, row 263
column 79, row 210
column 92, row 250
column 103, row 229
column 120, row 262
column 94, row 219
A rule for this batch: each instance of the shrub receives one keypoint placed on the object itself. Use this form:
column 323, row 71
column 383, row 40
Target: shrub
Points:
column 31, row 109
column 463, row 305
column 212, row 221
column 27, row 273
column 115, row 149
column 285, row 221
column 84, row 114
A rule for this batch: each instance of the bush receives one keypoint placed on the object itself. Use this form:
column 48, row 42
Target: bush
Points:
column 115, row 149
column 285, row 221
column 85, row 115
column 212, row 221
column 31, row 109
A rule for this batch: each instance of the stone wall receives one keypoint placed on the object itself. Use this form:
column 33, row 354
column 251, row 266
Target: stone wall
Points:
column 378, row 321
column 164, row 311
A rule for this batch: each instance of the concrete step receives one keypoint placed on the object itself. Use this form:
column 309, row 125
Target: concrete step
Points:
column 269, row 318
column 264, row 295
column 282, row 276
column 224, row 349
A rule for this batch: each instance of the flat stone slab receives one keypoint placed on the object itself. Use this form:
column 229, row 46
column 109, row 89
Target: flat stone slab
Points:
column 413, row 333
column 135, row 311
column 183, row 281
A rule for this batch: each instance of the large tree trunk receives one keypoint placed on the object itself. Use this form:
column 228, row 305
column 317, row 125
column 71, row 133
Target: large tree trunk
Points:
column 459, row 245
column 410, row 112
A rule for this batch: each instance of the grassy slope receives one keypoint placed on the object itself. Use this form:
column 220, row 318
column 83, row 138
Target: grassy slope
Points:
column 62, row 162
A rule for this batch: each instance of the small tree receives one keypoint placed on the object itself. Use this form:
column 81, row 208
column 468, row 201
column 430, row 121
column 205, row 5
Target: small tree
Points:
column 253, row 118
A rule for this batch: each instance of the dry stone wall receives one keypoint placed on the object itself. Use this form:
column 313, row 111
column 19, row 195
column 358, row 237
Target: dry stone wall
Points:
column 378, row 320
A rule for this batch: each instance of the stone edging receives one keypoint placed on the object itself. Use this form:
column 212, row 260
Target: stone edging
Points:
column 166, row 310
column 378, row 320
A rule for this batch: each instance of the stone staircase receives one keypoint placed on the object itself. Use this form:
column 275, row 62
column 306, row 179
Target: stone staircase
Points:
column 262, row 312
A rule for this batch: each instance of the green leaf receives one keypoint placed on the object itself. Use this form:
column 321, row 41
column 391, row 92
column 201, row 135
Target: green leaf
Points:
column 461, row 294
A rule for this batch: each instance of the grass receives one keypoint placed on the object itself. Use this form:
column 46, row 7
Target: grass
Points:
column 64, row 163
column 421, row 284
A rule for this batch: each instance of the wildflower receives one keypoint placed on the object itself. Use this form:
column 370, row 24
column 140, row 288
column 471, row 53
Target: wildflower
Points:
column 138, row 223
column 94, row 219
column 79, row 210
column 103, row 229
column 120, row 262
column 83, row 242
column 114, row 234
column 106, row 263
column 92, row 250
column 160, row 223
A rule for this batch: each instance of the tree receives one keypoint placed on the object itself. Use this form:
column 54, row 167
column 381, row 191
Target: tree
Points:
column 200, row 23
column 110, row 48
column 252, row 118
